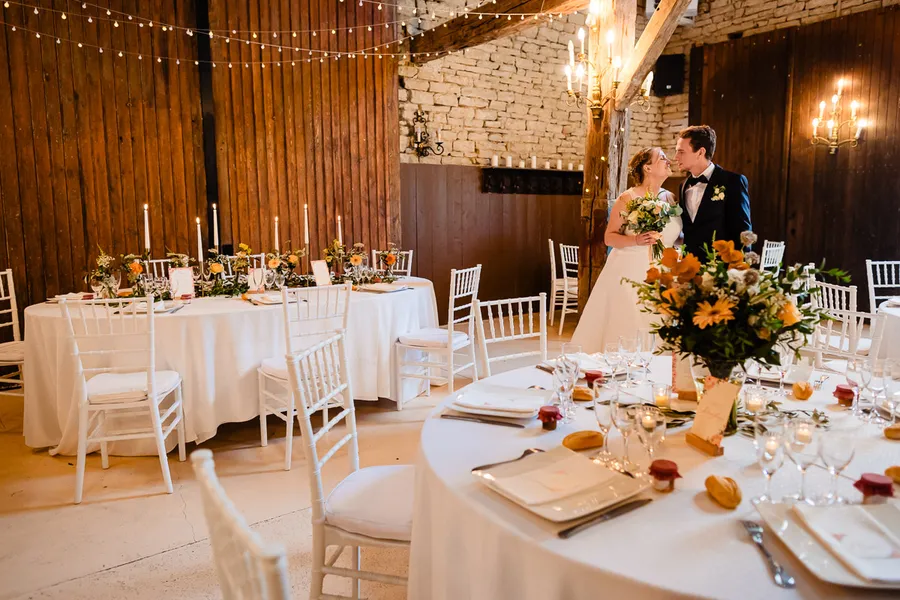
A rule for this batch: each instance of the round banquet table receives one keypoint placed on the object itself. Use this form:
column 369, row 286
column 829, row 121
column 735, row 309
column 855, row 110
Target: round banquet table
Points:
column 216, row 344
column 890, row 342
column 469, row 542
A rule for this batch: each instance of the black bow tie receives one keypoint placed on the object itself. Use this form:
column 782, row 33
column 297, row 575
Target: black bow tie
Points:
column 692, row 181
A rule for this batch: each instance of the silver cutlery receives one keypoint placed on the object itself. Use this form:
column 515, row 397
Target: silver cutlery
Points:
column 484, row 421
column 821, row 380
column 603, row 516
column 781, row 577
column 527, row 452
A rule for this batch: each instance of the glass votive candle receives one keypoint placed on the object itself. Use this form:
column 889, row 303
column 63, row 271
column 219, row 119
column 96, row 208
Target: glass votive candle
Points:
column 662, row 395
column 754, row 400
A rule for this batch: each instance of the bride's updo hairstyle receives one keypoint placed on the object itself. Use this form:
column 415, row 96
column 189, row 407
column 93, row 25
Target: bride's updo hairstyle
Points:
column 636, row 165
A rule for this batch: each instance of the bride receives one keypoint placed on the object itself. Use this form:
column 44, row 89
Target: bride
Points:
column 613, row 309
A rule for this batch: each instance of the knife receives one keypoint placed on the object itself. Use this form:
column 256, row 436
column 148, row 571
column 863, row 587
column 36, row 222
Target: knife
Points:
column 484, row 421
column 604, row 516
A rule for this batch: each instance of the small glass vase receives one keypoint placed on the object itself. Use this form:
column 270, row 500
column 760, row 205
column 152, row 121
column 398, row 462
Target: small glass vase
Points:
column 708, row 374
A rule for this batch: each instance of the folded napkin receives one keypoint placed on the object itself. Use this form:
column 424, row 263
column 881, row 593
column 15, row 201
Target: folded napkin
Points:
column 866, row 538
column 567, row 475
column 586, row 362
column 384, row 288
column 496, row 402
column 142, row 306
column 837, row 366
column 265, row 299
column 70, row 296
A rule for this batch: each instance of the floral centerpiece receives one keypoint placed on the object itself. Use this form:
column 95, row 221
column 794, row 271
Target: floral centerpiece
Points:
column 214, row 282
column 282, row 264
column 179, row 261
column 241, row 261
column 727, row 312
column 649, row 213
column 334, row 256
column 101, row 278
column 387, row 260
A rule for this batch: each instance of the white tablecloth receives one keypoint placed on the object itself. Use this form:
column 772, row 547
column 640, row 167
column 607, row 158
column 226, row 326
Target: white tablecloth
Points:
column 216, row 344
column 470, row 543
column 890, row 343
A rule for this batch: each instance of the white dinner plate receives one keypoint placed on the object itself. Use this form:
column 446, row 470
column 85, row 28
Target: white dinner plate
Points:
column 782, row 521
column 616, row 489
column 497, row 401
column 487, row 412
column 797, row 373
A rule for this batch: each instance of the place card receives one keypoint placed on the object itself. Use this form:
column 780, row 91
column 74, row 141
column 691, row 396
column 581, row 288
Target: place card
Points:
column 321, row 273
column 712, row 417
column 181, row 282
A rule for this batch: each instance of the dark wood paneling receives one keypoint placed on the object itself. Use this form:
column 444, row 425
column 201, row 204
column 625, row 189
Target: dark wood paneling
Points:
column 450, row 223
column 318, row 133
column 88, row 138
column 761, row 93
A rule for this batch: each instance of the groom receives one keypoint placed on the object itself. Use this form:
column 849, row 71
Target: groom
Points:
column 715, row 203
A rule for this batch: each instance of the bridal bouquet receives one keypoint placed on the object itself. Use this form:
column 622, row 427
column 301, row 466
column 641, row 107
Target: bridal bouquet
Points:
column 649, row 213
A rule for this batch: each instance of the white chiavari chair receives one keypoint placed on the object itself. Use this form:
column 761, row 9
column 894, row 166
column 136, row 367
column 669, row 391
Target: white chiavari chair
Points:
column 772, row 256
column 569, row 258
column 403, row 266
column 310, row 315
column 883, row 276
column 844, row 337
column 511, row 320
column 442, row 343
column 157, row 268
column 257, row 261
column 120, row 393
column 247, row 567
column 372, row 506
column 557, row 288
column 832, row 297
column 12, row 351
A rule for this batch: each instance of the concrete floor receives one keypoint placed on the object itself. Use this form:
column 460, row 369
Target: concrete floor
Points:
column 129, row 539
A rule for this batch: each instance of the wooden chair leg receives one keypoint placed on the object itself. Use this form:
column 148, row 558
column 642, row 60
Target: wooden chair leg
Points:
column 263, row 428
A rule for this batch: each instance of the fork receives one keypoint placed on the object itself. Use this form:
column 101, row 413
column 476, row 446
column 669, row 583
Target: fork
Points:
column 781, row 577
column 818, row 383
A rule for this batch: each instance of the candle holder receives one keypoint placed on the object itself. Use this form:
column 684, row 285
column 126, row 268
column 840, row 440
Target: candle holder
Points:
column 834, row 124
column 421, row 136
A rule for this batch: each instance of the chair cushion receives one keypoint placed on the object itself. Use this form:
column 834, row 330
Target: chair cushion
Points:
column 375, row 501
column 120, row 387
column 862, row 347
column 12, row 352
column 275, row 367
column 433, row 337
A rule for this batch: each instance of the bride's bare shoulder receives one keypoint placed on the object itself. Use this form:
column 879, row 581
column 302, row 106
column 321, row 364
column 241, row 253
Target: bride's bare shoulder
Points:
column 626, row 196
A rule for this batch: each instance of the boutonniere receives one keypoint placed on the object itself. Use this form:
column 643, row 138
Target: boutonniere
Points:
column 718, row 193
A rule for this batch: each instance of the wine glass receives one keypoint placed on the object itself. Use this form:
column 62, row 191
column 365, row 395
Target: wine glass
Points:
column 769, row 438
column 566, row 375
column 802, row 438
column 892, row 387
column 628, row 347
column 785, row 361
column 606, row 395
column 623, row 420
column 645, row 345
column 650, row 424
column 854, row 376
column 873, row 378
column 613, row 357
column 837, row 449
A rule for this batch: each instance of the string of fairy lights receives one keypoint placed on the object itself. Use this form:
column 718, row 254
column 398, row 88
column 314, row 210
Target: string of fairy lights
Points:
column 277, row 42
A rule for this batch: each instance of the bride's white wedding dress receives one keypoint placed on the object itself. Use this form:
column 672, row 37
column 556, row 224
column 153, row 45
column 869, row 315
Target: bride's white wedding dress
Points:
column 613, row 309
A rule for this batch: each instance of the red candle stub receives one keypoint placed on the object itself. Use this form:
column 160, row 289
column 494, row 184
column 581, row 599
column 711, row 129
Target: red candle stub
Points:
column 873, row 484
column 592, row 376
column 664, row 470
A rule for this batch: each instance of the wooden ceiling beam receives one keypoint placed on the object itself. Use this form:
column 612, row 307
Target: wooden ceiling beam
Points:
column 465, row 32
column 649, row 47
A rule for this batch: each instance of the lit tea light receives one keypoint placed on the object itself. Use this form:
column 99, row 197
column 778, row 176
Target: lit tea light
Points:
column 648, row 421
column 661, row 395
column 771, row 445
column 803, row 435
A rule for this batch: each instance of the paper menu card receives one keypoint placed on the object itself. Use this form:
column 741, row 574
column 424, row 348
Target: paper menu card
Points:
column 713, row 411
column 570, row 474
column 866, row 538
column 321, row 272
column 181, row 282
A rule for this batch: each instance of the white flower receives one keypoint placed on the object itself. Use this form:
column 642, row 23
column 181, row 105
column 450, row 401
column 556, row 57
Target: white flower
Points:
column 707, row 282
column 633, row 218
column 718, row 193
column 736, row 277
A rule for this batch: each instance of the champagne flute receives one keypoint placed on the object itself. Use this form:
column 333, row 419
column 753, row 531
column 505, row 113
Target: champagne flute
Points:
column 650, row 424
column 769, row 438
column 623, row 421
column 785, row 361
column 628, row 348
column 873, row 371
column 837, row 449
column 606, row 395
column 613, row 357
column 802, row 440
column 854, row 378
column 568, row 366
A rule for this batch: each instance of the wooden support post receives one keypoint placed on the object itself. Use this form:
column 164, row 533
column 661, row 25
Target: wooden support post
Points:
column 606, row 146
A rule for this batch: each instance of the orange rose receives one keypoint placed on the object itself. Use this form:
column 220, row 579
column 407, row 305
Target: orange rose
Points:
column 216, row 268
column 687, row 268
column 294, row 259
column 666, row 280
column 356, row 260
column 136, row 267
column 789, row 314
column 274, row 263
column 652, row 275
column 674, row 297
column 763, row 333
column 669, row 258
column 390, row 259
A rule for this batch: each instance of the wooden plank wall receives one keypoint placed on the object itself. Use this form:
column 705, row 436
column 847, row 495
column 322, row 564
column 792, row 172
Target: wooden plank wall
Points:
column 761, row 94
column 450, row 223
column 318, row 133
column 86, row 139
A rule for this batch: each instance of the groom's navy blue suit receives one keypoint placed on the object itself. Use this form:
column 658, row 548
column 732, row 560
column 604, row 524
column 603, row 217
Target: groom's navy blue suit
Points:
column 725, row 219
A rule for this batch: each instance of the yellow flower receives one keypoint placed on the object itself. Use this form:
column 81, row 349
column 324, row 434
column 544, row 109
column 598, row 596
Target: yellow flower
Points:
column 216, row 268
column 356, row 260
column 708, row 314
column 294, row 259
column 274, row 263
column 789, row 314
column 390, row 259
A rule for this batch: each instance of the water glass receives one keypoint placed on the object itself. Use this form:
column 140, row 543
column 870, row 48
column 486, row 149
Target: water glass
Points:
column 892, row 388
column 785, row 362
column 874, row 376
column 628, row 347
column 566, row 375
column 613, row 357
column 837, row 449
column 802, row 439
column 768, row 436
column 606, row 396
column 650, row 424
column 623, row 416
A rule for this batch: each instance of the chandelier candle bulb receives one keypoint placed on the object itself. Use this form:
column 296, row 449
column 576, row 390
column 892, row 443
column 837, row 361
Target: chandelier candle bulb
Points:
column 568, row 71
column 440, row 135
column 617, row 64
column 547, row 164
column 834, row 100
column 580, row 167
column 571, row 54
column 610, row 36
column 522, row 164
column 840, row 86
column 859, row 127
column 199, row 245
column 853, row 106
column 571, row 166
column 147, row 228
column 821, row 110
column 581, row 38
column 215, row 228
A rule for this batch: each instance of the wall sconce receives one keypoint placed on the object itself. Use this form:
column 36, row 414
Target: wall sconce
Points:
column 833, row 125
column 583, row 88
column 421, row 137
column 643, row 100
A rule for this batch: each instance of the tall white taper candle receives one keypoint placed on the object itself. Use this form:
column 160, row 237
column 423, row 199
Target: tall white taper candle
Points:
column 215, row 228
column 340, row 232
column 305, row 225
column 277, row 245
column 199, row 245
column 147, row 228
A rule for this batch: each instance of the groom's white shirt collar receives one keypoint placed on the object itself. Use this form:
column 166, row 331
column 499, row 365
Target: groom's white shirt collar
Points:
column 695, row 194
